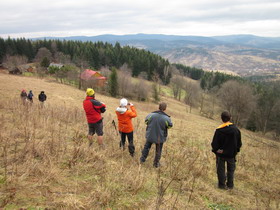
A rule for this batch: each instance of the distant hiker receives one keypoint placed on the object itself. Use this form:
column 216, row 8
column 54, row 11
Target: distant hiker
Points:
column 226, row 144
column 93, row 110
column 23, row 96
column 42, row 98
column 156, row 132
column 125, row 125
column 30, row 96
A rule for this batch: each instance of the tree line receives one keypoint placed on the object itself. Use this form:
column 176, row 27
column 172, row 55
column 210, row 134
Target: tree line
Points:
column 95, row 55
column 208, row 79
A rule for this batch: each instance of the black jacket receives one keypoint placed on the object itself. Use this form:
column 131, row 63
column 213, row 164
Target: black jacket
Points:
column 42, row 97
column 228, row 139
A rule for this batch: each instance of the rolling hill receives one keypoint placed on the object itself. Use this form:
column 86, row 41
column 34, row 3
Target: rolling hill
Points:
column 46, row 163
column 245, row 55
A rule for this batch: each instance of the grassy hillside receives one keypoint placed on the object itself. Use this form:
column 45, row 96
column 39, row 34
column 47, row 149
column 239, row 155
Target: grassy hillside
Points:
column 46, row 163
column 243, row 62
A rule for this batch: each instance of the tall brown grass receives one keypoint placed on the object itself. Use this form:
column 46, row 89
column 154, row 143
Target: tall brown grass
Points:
column 45, row 161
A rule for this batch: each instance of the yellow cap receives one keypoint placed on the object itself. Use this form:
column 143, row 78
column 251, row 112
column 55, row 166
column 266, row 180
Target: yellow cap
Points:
column 90, row 92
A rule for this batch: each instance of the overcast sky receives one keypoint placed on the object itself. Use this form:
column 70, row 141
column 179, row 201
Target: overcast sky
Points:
column 37, row 18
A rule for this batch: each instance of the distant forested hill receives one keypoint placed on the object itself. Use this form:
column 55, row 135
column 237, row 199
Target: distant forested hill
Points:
column 242, row 54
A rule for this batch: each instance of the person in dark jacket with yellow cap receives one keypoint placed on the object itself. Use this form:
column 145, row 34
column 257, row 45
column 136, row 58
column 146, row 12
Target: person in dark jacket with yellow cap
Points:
column 226, row 144
column 93, row 109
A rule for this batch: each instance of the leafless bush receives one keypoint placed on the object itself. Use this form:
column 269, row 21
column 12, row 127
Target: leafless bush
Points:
column 125, row 84
column 177, row 85
column 192, row 93
column 238, row 99
column 141, row 90
column 12, row 62
column 43, row 53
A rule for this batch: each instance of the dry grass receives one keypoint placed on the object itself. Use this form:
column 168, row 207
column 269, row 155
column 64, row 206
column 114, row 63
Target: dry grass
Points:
column 46, row 163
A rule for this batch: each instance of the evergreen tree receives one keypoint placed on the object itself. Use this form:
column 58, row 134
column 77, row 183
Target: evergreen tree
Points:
column 45, row 62
column 2, row 49
column 113, row 83
column 155, row 90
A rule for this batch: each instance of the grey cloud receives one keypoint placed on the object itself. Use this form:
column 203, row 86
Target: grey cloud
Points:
column 127, row 15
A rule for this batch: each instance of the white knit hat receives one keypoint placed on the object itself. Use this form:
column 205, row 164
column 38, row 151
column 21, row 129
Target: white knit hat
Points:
column 123, row 102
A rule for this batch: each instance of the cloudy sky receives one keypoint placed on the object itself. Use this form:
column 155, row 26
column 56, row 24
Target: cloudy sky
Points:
column 37, row 18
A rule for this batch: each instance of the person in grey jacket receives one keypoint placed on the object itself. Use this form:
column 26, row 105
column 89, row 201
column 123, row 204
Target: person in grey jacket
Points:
column 156, row 132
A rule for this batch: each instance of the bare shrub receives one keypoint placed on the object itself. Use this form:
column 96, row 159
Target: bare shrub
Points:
column 43, row 53
column 105, row 71
column 125, row 84
column 238, row 99
column 13, row 62
column 141, row 90
column 177, row 85
column 192, row 93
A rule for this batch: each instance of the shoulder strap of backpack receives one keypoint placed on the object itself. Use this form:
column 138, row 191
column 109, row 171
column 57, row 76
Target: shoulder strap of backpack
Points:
column 92, row 101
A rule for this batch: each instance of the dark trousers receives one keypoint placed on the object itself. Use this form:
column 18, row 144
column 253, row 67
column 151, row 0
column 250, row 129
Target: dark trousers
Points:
column 146, row 149
column 225, row 180
column 131, row 147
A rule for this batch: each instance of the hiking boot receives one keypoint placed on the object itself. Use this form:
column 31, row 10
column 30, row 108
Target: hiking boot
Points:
column 156, row 165
column 223, row 187
column 230, row 185
column 142, row 161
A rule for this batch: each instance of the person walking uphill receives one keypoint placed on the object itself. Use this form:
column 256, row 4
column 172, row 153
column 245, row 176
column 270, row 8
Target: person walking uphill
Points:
column 226, row 144
column 42, row 98
column 93, row 109
column 156, row 132
column 23, row 96
column 125, row 125
column 30, row 96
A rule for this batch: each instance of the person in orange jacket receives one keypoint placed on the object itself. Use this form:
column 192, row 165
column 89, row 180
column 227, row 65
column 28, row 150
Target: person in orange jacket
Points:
column 125, row 125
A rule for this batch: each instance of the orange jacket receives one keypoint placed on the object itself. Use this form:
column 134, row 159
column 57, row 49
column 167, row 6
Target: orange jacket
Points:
column 124, row 119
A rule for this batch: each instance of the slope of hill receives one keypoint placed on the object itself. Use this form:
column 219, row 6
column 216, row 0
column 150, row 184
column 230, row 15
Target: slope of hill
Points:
column 242, row 54
column 46, row 163
column 251, row 40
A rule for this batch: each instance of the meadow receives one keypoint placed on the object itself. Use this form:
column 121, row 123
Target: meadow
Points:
column 45, row 161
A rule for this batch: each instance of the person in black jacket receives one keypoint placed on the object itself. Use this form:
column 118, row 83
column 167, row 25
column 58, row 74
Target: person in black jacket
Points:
column 226, row 144
column 42, row 98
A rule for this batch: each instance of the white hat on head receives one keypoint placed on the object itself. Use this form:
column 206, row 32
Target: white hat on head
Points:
column 123, row 102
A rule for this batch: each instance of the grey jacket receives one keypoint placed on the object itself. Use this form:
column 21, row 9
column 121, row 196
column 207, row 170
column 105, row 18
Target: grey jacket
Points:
column 157, row 124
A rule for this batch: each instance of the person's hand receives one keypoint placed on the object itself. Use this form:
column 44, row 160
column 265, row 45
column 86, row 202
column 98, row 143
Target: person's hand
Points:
column 220, row 151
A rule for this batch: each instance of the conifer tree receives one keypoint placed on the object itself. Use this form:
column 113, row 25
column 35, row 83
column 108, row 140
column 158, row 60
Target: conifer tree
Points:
column 113, row 83
column 155, row 90
column 45, row 62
